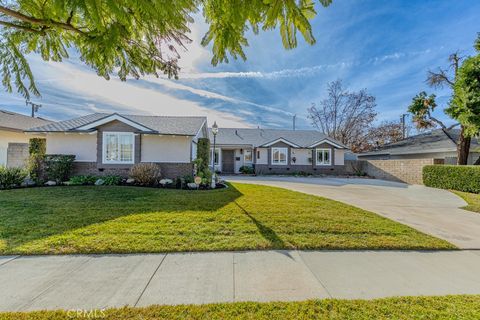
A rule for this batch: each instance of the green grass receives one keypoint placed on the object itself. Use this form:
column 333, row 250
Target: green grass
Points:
column 90, row 219
column 473, row 200
column 425, row 308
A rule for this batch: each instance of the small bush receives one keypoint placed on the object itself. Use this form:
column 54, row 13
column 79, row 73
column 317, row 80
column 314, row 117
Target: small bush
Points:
column 82, row 180
column 246, row 170
column 461, row 178
column 36, row 149
column 145, row 174
column 112, row 180
column 11, row 177
column 59, row 166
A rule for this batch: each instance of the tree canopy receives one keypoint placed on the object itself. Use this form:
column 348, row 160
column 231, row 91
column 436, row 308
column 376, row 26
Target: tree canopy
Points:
column 132, row 38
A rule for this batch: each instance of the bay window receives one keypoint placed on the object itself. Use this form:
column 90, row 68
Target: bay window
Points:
column 324, row 157
column 118, row 147
column 279, row 156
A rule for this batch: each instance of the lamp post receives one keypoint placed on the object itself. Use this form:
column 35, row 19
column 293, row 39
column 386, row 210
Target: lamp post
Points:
column 214, row 132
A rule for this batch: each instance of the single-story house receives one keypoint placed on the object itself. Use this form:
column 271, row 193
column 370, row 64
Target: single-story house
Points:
column 277, row 151
column 13, row 140
column 112, row 143
column 436, row 144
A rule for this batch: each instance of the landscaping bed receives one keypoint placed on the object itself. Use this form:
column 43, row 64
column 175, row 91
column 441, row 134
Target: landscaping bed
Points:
column 425, row 308
column 120, row 219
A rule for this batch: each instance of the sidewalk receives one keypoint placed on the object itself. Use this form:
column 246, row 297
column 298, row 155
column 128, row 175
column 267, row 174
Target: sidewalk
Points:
column 101, row 281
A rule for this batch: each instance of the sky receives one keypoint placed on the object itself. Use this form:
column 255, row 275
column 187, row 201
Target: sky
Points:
column 386, row 47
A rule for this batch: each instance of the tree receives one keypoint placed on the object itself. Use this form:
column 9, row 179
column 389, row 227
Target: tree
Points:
column 132, row 38
column 423, row 105
column 343, row 115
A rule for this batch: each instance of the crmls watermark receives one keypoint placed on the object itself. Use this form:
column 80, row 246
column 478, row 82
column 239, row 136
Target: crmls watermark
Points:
column 87, row 314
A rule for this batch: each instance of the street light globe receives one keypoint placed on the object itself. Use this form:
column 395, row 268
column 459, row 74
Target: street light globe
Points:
column 215, row 128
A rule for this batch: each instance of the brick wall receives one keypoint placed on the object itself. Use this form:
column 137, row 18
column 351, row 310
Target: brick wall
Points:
column 168, row 170
column 17, row 155
column 408, row 171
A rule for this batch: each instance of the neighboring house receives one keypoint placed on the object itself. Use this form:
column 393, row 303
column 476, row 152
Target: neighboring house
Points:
column 112, row 143
column 13, row 140
column 436, row 144
column 277, row 151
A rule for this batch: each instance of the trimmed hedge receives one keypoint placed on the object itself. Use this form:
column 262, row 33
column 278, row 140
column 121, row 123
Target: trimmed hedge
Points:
column 461, row 178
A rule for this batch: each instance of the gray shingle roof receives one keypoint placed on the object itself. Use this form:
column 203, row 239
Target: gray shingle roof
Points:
column 159, row 124
column 17, row 121
column 259, row 137
column 433, row 141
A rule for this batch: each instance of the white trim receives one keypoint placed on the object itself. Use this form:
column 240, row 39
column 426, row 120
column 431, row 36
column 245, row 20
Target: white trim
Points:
column 251, row 154
column 326, row 141
column 329, row 157
column 286, row 158
column 280, row 140
column 219, row 158
column 111, row 118
column 104, row 149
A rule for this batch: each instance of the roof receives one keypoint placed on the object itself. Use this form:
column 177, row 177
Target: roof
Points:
column 264, row 137
column 433, row 141
column 16, row 121
column 188, row 126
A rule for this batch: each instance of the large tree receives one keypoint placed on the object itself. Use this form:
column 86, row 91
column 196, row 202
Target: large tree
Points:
column 136, row 37
column 462, row 78
column 344, row 115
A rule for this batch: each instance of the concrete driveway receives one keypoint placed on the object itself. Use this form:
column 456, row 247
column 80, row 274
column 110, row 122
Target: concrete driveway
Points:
column 432, row 211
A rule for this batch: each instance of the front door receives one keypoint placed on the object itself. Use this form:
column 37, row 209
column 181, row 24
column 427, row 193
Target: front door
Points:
column 228, row 161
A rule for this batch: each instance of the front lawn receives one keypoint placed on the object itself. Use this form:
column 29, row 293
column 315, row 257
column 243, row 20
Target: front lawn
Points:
column 473, row 200
column 425, row 308
column 90, row 219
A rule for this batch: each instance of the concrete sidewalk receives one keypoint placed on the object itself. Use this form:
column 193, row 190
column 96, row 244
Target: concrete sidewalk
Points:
column 102, row 281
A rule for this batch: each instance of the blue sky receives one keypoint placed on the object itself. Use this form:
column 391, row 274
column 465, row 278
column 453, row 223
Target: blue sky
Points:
column 383, row 46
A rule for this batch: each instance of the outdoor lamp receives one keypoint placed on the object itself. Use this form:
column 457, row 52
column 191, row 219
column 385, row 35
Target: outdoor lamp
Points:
column 214, row 132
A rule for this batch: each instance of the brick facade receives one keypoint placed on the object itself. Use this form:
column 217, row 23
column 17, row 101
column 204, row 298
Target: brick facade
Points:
column 408, row 171
column 290, row 169
column 168, row 170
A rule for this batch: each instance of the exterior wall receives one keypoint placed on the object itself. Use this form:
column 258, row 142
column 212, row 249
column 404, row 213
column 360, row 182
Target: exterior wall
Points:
column 449, row 157
column 83, row 146
column 17, row 155
column 263, row 156
column 329, row 170
column 7, row 137
column 302, row 157
column 166, row 149
column 408, row 170
column 168, row 170
column 339, row 155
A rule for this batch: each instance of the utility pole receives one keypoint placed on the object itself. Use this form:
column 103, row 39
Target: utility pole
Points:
column 294, row 118
column 35, row 107
column 404, row 128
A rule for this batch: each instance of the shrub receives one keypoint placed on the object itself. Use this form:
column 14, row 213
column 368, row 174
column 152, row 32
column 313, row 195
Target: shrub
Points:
column 11, row 177
column 246, row 170
column 461, row 178
column 145, row 174
column 36, row 148
column 82, row 180
column 59, row 166
column 112, row 180
column 203, row 154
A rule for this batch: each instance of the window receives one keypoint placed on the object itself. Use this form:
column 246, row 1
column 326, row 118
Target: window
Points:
column 247, row 156
column 216, row 156
column 279, row 155
column 324, row 157
column 118, row 147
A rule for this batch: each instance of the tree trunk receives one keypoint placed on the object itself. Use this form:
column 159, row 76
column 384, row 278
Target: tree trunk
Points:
column 463, row 148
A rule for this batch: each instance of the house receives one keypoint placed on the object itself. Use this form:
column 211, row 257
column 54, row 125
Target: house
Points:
column 271, row 151
column 112, row 143
column 436, row 144
column 13, row 141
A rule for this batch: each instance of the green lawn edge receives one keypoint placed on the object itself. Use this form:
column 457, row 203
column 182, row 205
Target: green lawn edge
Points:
column 435, row 307
column 104, row 219
column 473, row 200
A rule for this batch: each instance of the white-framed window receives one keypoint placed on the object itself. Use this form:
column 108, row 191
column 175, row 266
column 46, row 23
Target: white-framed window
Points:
column 247, row 156
column 279, row 156
column 216, row 156
column 324, row 157
column 118, row 147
